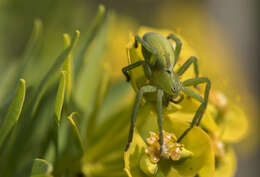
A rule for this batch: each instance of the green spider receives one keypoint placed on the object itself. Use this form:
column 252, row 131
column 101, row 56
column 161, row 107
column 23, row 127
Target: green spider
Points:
column 159, row 60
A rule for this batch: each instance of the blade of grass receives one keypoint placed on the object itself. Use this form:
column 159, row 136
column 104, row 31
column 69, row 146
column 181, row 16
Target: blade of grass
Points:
column 59, row 61
column 60, row 98
column 68, row 66
column 31, row 45
column 17, row 71
column 118, row 96
column 104, row 139
column 91, row 34
column 58, row 108
column 87, row 79
column 100, row 93
column 6, row 87
column 75, row 130
column 14, row 111
column 41, row 167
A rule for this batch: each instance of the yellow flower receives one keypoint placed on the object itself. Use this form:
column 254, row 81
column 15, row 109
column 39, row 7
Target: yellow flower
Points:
column 223, row 120
column 171, row 149
column 217, row 60
column 197, row 142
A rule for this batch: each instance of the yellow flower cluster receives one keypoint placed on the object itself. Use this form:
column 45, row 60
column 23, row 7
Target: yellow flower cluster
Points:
column 171, row 149
column 223, row 123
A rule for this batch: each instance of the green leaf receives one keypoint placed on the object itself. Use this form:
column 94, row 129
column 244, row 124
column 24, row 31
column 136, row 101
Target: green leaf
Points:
column 36, row 33
column 41, row 168
column 68, row 64
column 68, row 68
column 104, row 144
column 14, row 111
column 16, row 71
column 60, row 98
column 91, row 34
column 59, row 61
column 76, row 134
column 7, row 80
column 117, row 123
column 100, row 93
column 118, row 97
column 31, row 45
column 87, row 78
column 50, row 153
column 58, row 108
column 98, row 170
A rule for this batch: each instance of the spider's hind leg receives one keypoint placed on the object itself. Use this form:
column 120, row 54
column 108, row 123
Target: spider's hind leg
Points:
column 178, row 47
column 204, row 101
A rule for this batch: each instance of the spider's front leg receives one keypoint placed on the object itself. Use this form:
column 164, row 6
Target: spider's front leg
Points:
column 138, row 39
column 178, row 47
column 204, row 101
column 159, row 108
column 192, row 60
column 147, row 69
column 139, row 96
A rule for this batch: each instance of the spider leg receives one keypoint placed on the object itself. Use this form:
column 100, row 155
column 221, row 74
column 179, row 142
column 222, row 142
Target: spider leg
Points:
column 160, row 119
column 204, row 101
column 144, row 89
column 147, row 69
column 192, row 60
column 178, row 47
column 144, row 44
column 179, row 100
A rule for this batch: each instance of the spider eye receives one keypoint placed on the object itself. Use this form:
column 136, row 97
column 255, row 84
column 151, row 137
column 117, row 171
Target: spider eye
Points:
column 173, row 89
column 168, row 71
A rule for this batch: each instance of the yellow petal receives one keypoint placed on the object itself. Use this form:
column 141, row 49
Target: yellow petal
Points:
column 234, row 125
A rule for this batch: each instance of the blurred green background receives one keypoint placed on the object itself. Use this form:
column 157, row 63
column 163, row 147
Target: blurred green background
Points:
column 224, row 30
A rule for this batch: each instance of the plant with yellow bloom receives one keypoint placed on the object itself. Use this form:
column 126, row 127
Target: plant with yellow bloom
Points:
column 74, row 117
column 222, row 124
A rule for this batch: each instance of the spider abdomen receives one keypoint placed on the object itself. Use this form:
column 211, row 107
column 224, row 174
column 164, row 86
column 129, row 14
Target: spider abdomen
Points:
column 163, row 48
